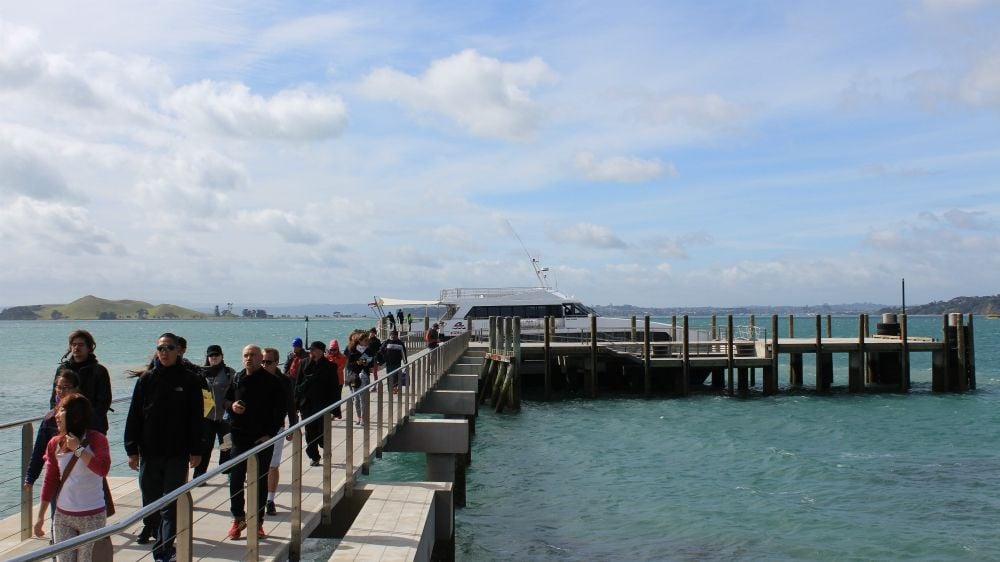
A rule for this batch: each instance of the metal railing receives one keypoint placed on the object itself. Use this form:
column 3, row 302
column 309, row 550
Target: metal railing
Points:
column 424, row 370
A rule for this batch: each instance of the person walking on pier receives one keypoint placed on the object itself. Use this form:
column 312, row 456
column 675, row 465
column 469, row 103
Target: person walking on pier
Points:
column 163, row 436
column 219, row 377
column 296, row 353
column 270, row 364
column 431, row 337
column 358, row 364
column 315, row 389
column 394, row 355
column 67, row 382
column 399, row 317
column 256, row 406
column 409, row 321
column 76, row 491
column 339, row 360
column 95, row 383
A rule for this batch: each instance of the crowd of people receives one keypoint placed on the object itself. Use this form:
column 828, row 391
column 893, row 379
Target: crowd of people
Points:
column 178, row 413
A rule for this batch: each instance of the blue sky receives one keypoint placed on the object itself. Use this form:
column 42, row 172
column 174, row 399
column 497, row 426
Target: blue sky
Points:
column 650, row 153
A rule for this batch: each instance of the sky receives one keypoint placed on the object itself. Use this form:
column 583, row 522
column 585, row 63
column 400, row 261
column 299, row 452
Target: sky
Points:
column 681, row 153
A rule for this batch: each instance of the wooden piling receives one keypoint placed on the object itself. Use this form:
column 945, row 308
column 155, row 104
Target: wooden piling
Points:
column 855, row 371
column 821, row 385
column 592, row 378
column 673, row 328
column 753, row 338
column 771, row 378
column 647, row 373
column 547, row 354
column 829, row 326
column 632, row 325
column 729, row 353
column 686, row 362
column 960, row 367
column 515, row 389
column 714, row 333
column 795, row 376
column 904, row 356
column 970, row 345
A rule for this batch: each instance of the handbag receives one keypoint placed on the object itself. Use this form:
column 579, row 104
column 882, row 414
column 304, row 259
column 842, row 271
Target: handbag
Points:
column 109, row 501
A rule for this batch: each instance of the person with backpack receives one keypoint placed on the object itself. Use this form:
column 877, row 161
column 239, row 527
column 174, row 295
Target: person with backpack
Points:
column 218, row 377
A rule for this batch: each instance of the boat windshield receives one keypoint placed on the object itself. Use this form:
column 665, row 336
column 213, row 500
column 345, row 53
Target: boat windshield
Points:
column 576, row 309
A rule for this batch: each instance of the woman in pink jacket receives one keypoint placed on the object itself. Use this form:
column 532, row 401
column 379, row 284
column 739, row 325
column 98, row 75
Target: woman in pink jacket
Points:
column 79, row 502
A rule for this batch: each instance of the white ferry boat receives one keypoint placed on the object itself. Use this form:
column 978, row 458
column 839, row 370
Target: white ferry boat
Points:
column 475, row 306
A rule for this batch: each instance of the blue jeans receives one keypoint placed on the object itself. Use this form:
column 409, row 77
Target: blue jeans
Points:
column 158, row 476
column 365, row 379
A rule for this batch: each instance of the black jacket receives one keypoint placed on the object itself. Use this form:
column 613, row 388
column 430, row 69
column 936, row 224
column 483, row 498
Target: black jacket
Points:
column 165, row 416
column 316, row 385
column 95, row 384
column 263, row 395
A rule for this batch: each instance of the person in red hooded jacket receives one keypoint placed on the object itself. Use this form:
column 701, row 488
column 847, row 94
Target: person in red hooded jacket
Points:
column 337, row 357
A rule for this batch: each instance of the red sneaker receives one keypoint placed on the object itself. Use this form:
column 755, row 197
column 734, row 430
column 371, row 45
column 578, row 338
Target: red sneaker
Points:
column 260, row 532
column 236, row 529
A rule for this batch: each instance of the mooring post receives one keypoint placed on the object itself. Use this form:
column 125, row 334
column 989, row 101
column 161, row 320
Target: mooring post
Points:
column 963, row 377
column 944, row 383
column 714, row 333
column 795, row 376
column 729, row 356
column 592, row 379
column 647, row 373
column 686, row 352
column 856, row 360
column 753, row 338
column 673, row 328
column 970, row 345
column 820, row 367
column 771, row 378
column 829, row 326
column 632, row 324
column 547, row 354
column 515, row 388
column 904, row 355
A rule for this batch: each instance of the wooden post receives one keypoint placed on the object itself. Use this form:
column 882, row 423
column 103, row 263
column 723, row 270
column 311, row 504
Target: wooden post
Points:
column 753, row 338
column 771, row 382
column 946, row 360
column 647, row 373
column 820, row 375
column 686, row 353
column 729, row 354
column 795, row 376
column 856, row 370
column 515, row 390
column 184, row 544
column 547, row 354
column 673, row 328
column 592, row 378
column 970, row 345
column 632, row 324
column 904, row 356
column 963, row 379
column 829, row 326
column 714, row 333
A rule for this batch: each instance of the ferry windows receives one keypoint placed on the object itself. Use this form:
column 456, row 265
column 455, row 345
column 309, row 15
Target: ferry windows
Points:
column 575, row 309
column 530, row 311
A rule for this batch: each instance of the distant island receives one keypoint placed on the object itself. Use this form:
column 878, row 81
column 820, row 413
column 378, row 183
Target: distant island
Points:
column 94, row 308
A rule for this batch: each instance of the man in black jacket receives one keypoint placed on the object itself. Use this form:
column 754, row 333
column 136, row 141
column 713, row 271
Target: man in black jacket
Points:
column 163, row 433
column 257, row 405
column 95, row 383
column 315, row 389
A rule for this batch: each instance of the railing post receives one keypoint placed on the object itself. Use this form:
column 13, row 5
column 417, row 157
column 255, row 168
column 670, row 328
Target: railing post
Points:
column 379, row 392
column 647, row 374
column 252, row 515
column 326, row 516
column 349, row 446
column 27, row 441
column 295, row 546
column 686, row 354
column 592, row 379
column 366, row 440
column 547, row 354
column 184, row 541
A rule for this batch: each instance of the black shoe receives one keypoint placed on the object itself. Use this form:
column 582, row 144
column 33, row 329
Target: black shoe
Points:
column 145, row 534
column 314, row 462
column 270, row 508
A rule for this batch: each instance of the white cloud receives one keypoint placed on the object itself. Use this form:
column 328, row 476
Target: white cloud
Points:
column 286, row 225
column 488, row 97
column 188, row 186
column 23, row 172
column 949, row 5
column 589, row 235
column 706, row 112
column 231, row 109
column 29, row 226
column 624, row 169
column 981, row 86
column 678, row 247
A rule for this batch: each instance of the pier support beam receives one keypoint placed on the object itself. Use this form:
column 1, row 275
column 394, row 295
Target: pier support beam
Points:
column 794, row 359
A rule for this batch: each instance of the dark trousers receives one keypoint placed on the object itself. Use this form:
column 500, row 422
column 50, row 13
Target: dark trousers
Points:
column 314, row 436
column 214, row 431
column 238, row 477
column 158, row 476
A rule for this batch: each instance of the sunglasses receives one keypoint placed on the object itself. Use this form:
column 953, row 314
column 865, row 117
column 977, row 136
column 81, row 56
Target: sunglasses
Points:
column 165, row 348
column 268, row 362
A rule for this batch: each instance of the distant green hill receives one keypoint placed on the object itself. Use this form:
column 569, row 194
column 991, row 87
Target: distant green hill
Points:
column 94, row 308
column 965, row 305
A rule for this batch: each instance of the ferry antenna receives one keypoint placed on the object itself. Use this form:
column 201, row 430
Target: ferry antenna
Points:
column 539, row 271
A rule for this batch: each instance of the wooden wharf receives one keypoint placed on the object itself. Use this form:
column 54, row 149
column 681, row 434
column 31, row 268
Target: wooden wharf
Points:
column 678, row 364
column 411, row 521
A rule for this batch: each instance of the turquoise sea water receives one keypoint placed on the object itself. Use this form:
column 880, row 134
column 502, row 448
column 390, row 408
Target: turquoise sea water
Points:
column 791, row 477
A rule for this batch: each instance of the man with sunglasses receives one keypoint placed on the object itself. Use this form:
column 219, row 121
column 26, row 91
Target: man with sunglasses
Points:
column 163, row 432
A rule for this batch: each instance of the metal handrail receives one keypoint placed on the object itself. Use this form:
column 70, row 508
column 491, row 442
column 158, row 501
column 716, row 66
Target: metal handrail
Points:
column 8, row 425
column 435, row 358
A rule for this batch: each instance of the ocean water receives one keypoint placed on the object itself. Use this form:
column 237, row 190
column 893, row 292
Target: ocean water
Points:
column 796, row 476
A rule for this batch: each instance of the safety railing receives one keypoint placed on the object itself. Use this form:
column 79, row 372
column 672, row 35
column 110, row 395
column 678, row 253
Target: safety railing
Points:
column 423, row 372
